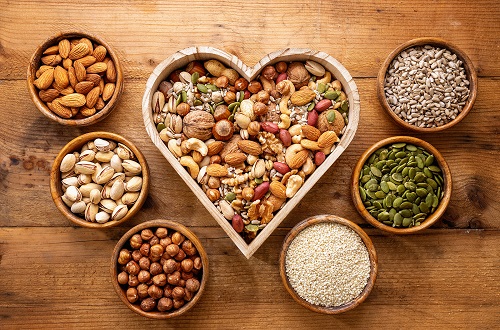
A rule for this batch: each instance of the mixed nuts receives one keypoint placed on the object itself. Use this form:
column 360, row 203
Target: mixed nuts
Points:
column 250, row 144
column 101, row 181
column 76, row 78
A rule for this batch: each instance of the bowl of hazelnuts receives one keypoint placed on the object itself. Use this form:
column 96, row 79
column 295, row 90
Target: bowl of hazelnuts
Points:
column 159, row 269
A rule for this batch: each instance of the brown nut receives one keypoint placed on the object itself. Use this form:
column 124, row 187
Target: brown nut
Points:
column 192, row 285
column 147, row 234
column 133, row 268
column 259, row 109
column 177, row 238
column 160, row 280
column 221, row 112
column 167, row 291
column 281, row 67
column 132, row 280
column 181, row 255
column 165, row 241
column 222, row 82
column 155, row 292
column 145, row 248
column 161, row 232
column 254, row 87
column 136, row 255
column 213, row 194
column 135, row 241
column 170, row 266
column 213, row 182
column 148, row 304
column 153, row 241
column 144, row 276
column 124, row 257
column 186, row 276
column 165, row 304
column 183, row 108
column 240, row 84
column 269, row 72
column 178, row 303
column 174, row 278
column 253, row 128
column 178, row 293
column 223, row 130
column 188, row 295
column 123, row 278
column 230, row 97
column 156, row 251
column 155, row 268
column 197, row 264
column 144, row 263
column 132, row 295
column 189, row 248
column 263, row 96
column 142, row 290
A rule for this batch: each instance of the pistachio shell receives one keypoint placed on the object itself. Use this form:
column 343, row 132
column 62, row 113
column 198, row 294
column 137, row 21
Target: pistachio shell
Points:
column 226, row 209
column 130, row 198
column 116, row 163
column 71, row 181
column 87, row 155
column 73, row 194
column 134, row 184
column 95, row 196
column 104, row 157
column 132, row 167
column 90, row 212
column 78, row 207
column 87, row 188
column 98, row 168
column 66, row 201
column 85, row 167
column 67, row 163
column 124, row 152
column 117, row 190
column 107, row 205
column 84, row 179
column 102, row 145
column 104, row 175
column 102, row 217
column 116, row 177
column 105, row 192
column 119, row 212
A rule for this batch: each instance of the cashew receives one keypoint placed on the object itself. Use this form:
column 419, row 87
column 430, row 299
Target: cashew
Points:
column 189, row 162
column 296, row 138
column 284, row 121
column 337, row 85
column 295, row 130
column 286, row 88
column 327, row 150
column 174, row 148
column 197, row 145
column 326, row 78
column 205, row 161
column 293, row 184
column 267, row 85
column 308, row 166
column 291, row 151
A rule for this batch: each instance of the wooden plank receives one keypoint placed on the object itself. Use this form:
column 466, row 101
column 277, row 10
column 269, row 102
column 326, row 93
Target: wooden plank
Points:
column 29, row 142
column 441, row 279
column 359, row 34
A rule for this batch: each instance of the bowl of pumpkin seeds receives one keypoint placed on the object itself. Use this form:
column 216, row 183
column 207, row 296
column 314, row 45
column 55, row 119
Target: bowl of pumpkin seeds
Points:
column 401, row 185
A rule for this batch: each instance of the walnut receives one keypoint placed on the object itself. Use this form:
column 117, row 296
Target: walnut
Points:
column 198, row 124
column 298, row 74
column 337, row 125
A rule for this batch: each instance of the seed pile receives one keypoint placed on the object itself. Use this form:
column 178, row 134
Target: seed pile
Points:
column 401, row 185
column 327, row 264
column 426, row 86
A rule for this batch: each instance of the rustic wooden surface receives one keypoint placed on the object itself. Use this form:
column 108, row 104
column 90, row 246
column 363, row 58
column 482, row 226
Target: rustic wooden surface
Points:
column 53, row 274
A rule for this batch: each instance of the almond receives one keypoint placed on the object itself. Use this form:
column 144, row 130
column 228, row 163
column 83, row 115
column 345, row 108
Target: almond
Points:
column 80, row 71
column 299, row 159
column 72, row 77
column 42, row 69
column 61, row 76
column 53, row 50
column 94, row 78
column 97, row 67
column 111, row 72
column 87, row 112
column 64, row 48
column 45, row 79
column 99, row 53
column 302, row 97
column 83, row 87
column 235, row 158
column 250, row 147
column 60, row 109
column 278, row 189
column 67, row 63
column 216, row 170
column 311, row 132
column 327, row 139
column 215, row 147
column 78, row 51
column 73, row 100
column 308, row 144
column 66, row 91
column 48, row 95
column 51, row 60
column 87, row 60
column 92, row 97
column 108, row 91
column 100, row 104
column 74, row 111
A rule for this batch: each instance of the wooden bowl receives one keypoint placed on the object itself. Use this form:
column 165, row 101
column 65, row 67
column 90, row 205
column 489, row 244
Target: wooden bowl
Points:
column 369, row 246
column 35, row 63
column 431, row 219
column 75, row 145
column 469, row 70
column 183, row 57
column 153, row 224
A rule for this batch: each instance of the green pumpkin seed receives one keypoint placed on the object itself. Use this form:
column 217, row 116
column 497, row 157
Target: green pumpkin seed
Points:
column 211, row 109
column 419, row 216
column 401, row 189
column 428, row 173
column 429, row 200
column 330, row 116
column 362, row 193
column 242, row 97
column 373, row 187
column 194, row 77
column 311, row 106
column 405, row 171
column 321, row 88
column 423, row 207
column 420, row 163
column 407, row 222
column 233, row 105
column 332, row 95
column 202, row 88
column 384, row 186
column 178, row 100
column 411, row 196
column 197, row 102
column 371, row 194
column 411, row 147
column 432, row 183
column 406, row 213
column 401, row 154
column 397, row 202
column 160, row 127
column 391, row 186
column 212, row 87
column 406, row 205
column 344, row 106
column 388, row 223
column 399, row 145
column 434, row 168
column 252, row 228
column 415, row 209
column 421, row 192
column 435, row 201
column 383, row 216
column 412, row 172
column 380, row 194
column 410, row 186
column 398, row 219
column 365, row 179
column 258, row 180
column 420, row 177
column 375, row 171
column 389, row 199
column 397, row 177
column 429, row 160
column 230, row 196
column 184, row 96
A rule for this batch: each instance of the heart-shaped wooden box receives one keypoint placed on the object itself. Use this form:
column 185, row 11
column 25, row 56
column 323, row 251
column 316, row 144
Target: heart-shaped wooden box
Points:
column 183, row 57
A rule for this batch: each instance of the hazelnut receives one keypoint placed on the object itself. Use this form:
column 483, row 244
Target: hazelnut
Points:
column 263, row 96
column 147, row 234
column 156, row 251
column 254, row 87
column 144, row 263
column 253, row 128
column 136, row 255
column 155, row 268
column 133, row 268
column 269, row 72
column 187, row 265
column 192, row 285
column 215, row 159
column 165, row 241
column 145, row 249
column 197, row 263
column 230, row 97
column 174, row 278
column 135, row 241
column 189, row 248
column 183, row 108
column 132, row 280
column 132, row 295
column 221, row 112
column 223, row 130
column 170, row 266
column 142, row 290
column 222, row 82
column 182, row 283
column 181, row 255
column 124, row 257
column 168, row 291
column 274, row 93
column 186, row 276
column 123, row 278
column 178, row 303
column 144, row 276
column 240, row 84
column 281, row 67
column 160, row 280
column 161, row 232
column 153, row 241
column 148, row 304
column 259, row 108
column 155, row 292
column 188, row 295
column 165, row 304
column 172, row 249
column 213, row 182
column 178, row 292
column 164, row 87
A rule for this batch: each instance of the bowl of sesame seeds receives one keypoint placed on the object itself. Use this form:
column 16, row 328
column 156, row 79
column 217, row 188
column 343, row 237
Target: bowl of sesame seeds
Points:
column 328, row 264
column 427, row 85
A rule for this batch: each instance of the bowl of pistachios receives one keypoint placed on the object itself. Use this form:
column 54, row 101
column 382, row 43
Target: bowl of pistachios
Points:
column 99, row 180
column 401, row 185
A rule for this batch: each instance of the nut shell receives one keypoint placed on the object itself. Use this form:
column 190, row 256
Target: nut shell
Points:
column 198, row 124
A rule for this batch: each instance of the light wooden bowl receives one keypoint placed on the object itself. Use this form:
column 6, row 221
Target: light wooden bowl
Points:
column 431, row 219
column 154, row 224
column 470, row 73
column 369, row 246
column 183, row 57
column 35, row 63
column 75, row 145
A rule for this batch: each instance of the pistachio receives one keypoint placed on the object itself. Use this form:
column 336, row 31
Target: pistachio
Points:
column 116, row 163
column 90, row 212
column 315, row 68
column 102, row 217
column 78, row 207
column 106, row 192
column 84, row 179
column 66, row 201
column 73, row 194
column 117, row 190
column 67, row 163
column 98, row 168
column 123, row 153
column 130, row 198
column 158, row 101
column 104, row 157
column 71, row 181
column 87, row 155
column 85, row 167
column 107, row 205
column 132, row 166
column 104, row 175
column 259, row 168
column 87, row 188
column 226, row 209
column 102, row 145
column 116, row 177
column 119, row 212
column 95, row 196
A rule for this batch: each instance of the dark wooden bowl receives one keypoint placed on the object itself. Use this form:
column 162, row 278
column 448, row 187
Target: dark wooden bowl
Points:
column 469, row 70
column 369, row 246
column 75, row 145
column 35, row 63
column 153, row 224
column 431, row 219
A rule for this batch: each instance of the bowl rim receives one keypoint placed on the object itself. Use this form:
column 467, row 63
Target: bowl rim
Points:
column 35, row 61
column 73, row 145
column 328, row 218
column 430, row 220
column 170, row 225
column 469, row 70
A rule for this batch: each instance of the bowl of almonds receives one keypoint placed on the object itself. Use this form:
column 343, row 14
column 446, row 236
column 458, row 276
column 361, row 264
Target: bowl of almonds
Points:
column 99, row 180
column 75, row 78
column 427, row 85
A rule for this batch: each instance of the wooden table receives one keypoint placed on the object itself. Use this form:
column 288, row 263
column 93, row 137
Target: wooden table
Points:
column 53, row 274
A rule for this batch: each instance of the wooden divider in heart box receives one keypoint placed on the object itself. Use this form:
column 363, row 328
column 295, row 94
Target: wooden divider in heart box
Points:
column 183, row 57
